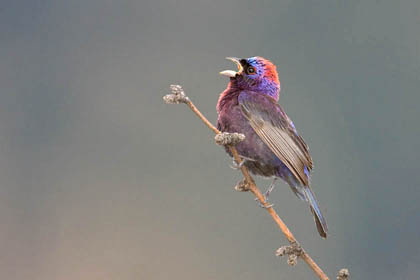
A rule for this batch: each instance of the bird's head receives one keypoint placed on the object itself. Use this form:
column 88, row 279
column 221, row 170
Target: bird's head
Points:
column 256, row 74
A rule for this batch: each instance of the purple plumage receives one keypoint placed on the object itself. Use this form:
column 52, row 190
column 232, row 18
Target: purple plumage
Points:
column 272, row 147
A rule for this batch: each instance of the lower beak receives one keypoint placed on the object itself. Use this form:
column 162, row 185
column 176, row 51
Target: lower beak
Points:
column 231, row 73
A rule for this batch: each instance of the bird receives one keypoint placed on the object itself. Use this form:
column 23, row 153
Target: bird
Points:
column 272, row 147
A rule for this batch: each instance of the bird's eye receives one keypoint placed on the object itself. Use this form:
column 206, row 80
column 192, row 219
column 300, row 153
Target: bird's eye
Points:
column 250, row 70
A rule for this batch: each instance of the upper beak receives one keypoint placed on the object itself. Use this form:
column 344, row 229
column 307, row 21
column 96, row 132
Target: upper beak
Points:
column 231, row 73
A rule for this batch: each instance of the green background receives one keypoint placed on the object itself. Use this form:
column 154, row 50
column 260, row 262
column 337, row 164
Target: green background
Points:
column 99, row 179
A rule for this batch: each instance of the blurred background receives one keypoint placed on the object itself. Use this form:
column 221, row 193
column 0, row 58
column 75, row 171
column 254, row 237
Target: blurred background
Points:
column 99, row 179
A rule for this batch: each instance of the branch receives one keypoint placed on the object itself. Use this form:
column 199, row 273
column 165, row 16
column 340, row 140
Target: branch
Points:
column 294, row 250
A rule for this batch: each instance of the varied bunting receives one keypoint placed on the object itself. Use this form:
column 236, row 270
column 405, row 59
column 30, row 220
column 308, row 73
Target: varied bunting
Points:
column 272, row 147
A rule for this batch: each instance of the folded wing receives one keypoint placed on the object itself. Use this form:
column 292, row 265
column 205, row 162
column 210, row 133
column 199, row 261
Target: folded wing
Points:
column 276, row 130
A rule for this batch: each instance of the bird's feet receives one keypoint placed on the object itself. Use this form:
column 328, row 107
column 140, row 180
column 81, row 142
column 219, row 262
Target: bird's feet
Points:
column 266, row 195
column 237, row 166
column 262, row 205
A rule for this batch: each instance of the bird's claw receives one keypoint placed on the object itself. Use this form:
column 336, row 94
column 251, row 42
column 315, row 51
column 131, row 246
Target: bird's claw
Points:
column 262, row 204
column 266, row 195
column 236, row 166
column 269, row 190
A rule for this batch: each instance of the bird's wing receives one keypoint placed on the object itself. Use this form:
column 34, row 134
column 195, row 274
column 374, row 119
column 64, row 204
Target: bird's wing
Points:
column 276, row 130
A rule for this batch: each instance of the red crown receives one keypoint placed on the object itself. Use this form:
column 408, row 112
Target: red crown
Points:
column 270, row 69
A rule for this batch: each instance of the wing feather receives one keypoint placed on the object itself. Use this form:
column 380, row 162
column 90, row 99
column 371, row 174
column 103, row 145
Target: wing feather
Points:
column 277, row 131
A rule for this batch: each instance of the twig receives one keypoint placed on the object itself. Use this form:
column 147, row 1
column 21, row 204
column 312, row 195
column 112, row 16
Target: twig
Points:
column 295, row 250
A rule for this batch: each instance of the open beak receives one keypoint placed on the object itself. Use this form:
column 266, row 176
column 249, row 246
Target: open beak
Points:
column 231, row 73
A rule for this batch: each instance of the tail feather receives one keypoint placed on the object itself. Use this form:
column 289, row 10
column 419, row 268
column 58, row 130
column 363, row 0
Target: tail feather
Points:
column 320, row 222
column 305, row 193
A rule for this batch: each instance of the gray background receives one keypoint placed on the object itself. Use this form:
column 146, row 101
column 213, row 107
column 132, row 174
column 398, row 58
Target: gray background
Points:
column 101, row 180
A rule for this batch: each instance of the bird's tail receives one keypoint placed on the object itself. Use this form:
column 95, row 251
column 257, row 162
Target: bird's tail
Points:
column 320, row 222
